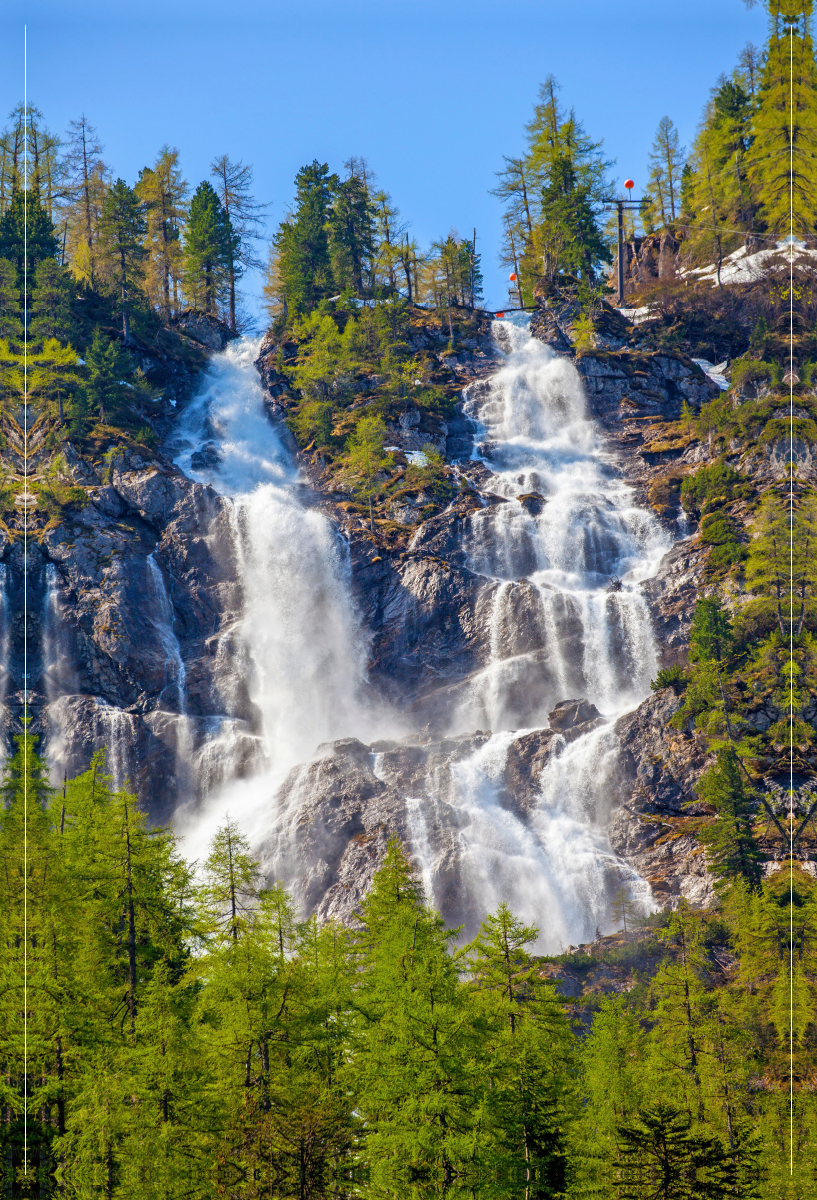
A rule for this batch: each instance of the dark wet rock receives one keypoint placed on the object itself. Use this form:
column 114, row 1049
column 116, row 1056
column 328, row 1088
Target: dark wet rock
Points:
column 206, row 329
column 571, row 713
column 659, row 767
column 205, row 458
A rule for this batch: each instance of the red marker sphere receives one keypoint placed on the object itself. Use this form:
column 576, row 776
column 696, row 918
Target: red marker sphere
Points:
column 512, row 276
column 629, row 183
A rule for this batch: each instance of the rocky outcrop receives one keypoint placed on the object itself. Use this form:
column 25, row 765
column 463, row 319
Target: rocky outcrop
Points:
column 650, row 828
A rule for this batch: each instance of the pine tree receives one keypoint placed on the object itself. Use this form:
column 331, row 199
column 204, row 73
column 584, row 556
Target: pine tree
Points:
column 209, row 243
column 120, row 249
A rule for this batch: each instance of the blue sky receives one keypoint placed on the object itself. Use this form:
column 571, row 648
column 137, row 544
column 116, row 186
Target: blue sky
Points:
column 431, row 93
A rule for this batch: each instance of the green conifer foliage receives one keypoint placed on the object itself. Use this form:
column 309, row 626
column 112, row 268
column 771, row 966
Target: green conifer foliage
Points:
column 51, row 311
column 26, row 234
column 732, row 849
column 209, row 247
column 789, row 51
column 304, row 261
column 11, row 326
column 352, row 234
column 120, row 249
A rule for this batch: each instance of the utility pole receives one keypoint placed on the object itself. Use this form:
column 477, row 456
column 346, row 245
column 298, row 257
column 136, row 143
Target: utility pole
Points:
column 620, row 206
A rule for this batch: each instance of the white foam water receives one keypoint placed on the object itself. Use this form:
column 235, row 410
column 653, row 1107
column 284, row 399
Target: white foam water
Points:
column 299, row 648
column 576, row 530
column 555, row 632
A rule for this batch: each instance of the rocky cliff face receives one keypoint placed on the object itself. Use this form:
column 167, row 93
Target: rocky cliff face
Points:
column 134, row 600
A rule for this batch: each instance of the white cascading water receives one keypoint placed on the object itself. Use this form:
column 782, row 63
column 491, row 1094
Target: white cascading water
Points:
column 556, row 633
column 580, row 640
column 536, row 439
column 298, row 648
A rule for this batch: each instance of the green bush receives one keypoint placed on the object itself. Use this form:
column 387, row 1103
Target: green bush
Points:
column 720, row 481
column 719, row 531
column 674, row 677
column 750, row 370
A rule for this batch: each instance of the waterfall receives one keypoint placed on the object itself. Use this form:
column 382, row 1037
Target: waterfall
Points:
column 556, row 551
column 162, row 621
column 299, row 649
column 560, row 525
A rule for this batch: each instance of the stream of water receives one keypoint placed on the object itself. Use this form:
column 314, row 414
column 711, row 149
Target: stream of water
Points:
column 558, row 630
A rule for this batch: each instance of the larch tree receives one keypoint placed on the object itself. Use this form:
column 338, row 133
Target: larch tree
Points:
column 244, row 218
column 85, row 184
column 666, row 165
column 163, row 190
column 782, row 133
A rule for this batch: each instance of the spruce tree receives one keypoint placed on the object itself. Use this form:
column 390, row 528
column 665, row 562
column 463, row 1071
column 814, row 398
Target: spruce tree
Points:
column 11, row 325
column 303, row 259
column 732, row 849
column 209, row 247
column 352, row 235
column 51, row 303
column 26, row 235
column 121, row 252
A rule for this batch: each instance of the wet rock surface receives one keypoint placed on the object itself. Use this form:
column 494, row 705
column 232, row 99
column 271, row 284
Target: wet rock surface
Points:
column 146, row 584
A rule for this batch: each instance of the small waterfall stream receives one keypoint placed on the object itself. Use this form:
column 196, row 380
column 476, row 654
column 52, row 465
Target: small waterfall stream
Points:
column 557, row 631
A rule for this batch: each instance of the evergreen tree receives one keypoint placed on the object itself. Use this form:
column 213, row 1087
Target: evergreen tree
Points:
column 352, row 235
column 731, row 846
column 303, row 265
column 105, row 365
column 710, row 632
column 120, row 249
column 551, row 198
column 26, row 234
column 11, row 326
column 209, row 247
column 51, row 315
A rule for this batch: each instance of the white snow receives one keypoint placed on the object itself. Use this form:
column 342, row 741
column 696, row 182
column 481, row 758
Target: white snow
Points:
column 740, row 267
